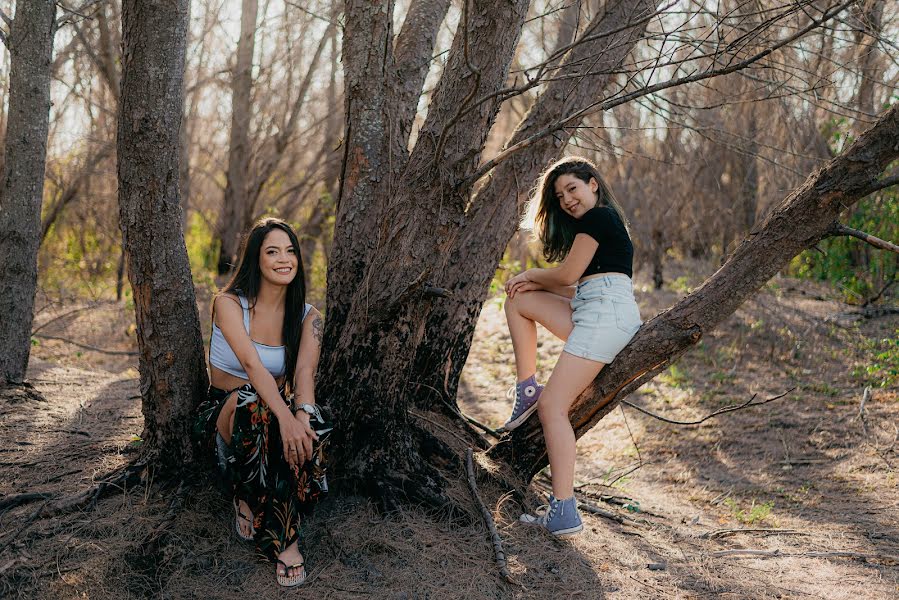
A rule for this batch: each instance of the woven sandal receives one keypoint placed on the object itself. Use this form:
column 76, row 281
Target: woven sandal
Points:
column 288, row 580
column 239, row 519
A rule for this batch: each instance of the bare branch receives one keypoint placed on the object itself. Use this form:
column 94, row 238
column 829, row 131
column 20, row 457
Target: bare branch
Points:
column 85, row 346
column 81, row 11
column 734, row 407
column 4, row 38
column 840, row 229
column 603, row 106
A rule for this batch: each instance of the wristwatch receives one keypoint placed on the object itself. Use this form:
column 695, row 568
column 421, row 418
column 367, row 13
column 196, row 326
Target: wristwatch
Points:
column 309, row 409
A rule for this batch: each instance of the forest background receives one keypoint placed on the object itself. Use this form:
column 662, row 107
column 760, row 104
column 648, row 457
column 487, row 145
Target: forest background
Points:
column 704, row 117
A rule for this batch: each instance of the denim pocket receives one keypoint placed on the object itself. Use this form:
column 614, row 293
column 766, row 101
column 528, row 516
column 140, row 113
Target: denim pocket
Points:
column 627, row 316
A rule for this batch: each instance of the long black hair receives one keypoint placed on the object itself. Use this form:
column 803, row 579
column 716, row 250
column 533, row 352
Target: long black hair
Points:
column 556, row 228
column 248, row 278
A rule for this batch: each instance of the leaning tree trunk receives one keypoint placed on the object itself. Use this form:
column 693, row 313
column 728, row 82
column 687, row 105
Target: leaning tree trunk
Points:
column 237, row 186
column 805, row 217
column 22, row 184
column 172, row 372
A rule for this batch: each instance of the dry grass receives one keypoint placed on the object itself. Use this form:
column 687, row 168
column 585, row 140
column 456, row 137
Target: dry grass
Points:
column 802, row 463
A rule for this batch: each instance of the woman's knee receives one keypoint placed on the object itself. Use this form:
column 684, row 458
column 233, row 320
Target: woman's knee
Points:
column 548, row 412
column 511, row 304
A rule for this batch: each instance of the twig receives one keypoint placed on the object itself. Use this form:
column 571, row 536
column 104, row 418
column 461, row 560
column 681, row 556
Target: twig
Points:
column 488, row 520
column 595, row 510
column 86, row 346
column 63, row 316
column 861, row 409
column 840, row 229
column 749, row 403
column 718, row 533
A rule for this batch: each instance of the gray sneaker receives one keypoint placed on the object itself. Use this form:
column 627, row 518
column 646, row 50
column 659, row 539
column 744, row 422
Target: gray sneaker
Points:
column 559, row 517
column 526, row 395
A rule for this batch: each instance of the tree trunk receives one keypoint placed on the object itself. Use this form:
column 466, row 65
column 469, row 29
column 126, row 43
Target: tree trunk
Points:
column 395, row 219
column 237, row 187
column 22, row 184
column 172, row 371
column 495, row 211
column 802, row 220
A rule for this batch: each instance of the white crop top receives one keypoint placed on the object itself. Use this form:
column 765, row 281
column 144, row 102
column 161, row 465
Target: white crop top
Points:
column 221, row 356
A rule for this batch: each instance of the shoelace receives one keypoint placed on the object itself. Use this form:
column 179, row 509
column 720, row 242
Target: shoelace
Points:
column 549, row 511
column 514, row 391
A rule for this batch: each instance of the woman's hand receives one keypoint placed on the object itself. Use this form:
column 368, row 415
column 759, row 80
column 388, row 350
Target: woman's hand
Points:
column 297, row 436
column 521, row 283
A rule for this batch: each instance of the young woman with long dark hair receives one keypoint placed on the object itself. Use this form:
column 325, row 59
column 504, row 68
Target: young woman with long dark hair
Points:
column 260, row 419
column 586, row 300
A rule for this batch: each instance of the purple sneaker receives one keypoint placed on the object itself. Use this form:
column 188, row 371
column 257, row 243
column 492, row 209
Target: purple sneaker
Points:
column 526, row 395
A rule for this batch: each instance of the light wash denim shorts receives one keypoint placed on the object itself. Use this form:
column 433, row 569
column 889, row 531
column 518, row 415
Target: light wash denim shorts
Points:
column 605, row 317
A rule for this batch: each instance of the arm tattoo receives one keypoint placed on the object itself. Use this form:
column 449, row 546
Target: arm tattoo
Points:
column 318, row 329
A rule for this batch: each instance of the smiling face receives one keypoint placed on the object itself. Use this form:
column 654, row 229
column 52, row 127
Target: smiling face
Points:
column 575, row 195
column 277, row 258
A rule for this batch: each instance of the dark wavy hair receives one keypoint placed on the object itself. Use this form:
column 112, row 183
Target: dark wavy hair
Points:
column 554, row 227
column 248, row 278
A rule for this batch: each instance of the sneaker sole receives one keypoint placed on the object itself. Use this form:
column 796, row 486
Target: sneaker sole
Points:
column 530, row 520
column 510, row 425
column 569, row 531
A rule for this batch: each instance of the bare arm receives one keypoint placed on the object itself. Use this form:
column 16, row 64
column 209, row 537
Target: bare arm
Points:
column 229, row 318
column 307, row 357
column 559, row 279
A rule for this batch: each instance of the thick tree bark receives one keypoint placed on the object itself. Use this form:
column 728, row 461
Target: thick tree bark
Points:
column 237, row 187
column 493, row 217
column 391, row 207
column 802, row 219
column 172, row 371
column 22, row 182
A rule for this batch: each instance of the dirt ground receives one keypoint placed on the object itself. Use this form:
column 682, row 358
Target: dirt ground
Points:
column 793, row 499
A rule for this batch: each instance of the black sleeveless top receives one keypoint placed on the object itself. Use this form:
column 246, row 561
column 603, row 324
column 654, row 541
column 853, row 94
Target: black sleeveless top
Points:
column 616, row 252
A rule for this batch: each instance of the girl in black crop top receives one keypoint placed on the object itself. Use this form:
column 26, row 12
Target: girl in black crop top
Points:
column 586, row 300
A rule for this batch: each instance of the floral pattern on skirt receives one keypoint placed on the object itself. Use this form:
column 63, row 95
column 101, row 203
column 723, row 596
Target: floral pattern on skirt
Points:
column 254, row 470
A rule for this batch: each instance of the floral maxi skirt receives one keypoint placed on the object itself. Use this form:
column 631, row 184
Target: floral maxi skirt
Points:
column 254, row 469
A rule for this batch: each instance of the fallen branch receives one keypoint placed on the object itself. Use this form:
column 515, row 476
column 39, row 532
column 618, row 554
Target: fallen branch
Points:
column 488, row 520
column 85, row 346
column 734, row 407
column 719, row 533
column 740, row 553
column 595, row 510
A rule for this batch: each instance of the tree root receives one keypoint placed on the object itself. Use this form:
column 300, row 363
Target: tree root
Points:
column 14, row 500
column 498, row 551
column 119, row 479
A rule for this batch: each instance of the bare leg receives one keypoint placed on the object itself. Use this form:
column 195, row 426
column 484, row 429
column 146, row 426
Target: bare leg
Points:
column 569, row 378
column 225, row 426
column 523, row 312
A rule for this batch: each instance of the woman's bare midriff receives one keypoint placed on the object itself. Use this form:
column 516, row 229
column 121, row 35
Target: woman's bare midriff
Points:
column 227, row 381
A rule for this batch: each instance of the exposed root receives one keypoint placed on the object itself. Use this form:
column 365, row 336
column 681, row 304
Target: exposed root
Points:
column 15, row 500
column 498, row 551
column 118, row 480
